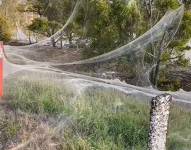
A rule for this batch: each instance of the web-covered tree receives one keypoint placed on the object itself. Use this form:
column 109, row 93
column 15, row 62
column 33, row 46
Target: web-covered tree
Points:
column 174, row 55
column 52, row 14
column 108, row 24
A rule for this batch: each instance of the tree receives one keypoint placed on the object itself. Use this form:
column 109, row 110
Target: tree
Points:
column 53, row 14
column 44, row 27
column 108, row 24
column 37, row 6
column 174, row 53
column 9, row 9
column 5, row 32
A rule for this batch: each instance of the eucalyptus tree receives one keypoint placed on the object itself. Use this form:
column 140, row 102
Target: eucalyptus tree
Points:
column 5, row 29
column 53, row 14
column 174, row 54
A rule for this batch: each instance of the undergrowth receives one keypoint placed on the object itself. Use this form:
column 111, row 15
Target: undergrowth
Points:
column 101, row 119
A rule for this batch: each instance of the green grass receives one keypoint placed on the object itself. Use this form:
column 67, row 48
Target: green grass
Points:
column 102, row 119
column 108, row 120
column 37, row 97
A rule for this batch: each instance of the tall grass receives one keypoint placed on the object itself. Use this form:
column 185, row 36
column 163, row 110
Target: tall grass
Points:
column 37, row 97
column 101, row 118
column 107, row 119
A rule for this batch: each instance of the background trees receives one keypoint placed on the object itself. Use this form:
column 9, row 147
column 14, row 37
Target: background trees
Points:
column 5, row 31
column 107, row 24
column 110, row 24
column 7, row 19
column 44, row 27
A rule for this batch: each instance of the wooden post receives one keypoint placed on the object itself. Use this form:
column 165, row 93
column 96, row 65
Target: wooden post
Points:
column 160, row 109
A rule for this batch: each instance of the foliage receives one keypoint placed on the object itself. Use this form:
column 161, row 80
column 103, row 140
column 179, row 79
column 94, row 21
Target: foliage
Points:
column 44, row 27
column 164, row 5
column 5, row 32
column 112, row 24
column 167, row 84
column 175, row 51
column 52, row 14
column 105, row 25
column 37, row 6
column 10, row 9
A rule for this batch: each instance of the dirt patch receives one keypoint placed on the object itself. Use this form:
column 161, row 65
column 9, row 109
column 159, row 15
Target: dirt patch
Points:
column 56, row 55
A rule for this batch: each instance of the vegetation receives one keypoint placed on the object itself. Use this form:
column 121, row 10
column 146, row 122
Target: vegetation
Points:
column 41, row 115
column 5, row 32
column 98, row 119
column 9, row 129
column 37, row 97
column 106, row 25
column 9, row 11
column 44, row 27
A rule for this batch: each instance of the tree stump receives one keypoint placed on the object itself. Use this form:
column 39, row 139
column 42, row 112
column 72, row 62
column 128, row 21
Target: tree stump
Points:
column 160, row 109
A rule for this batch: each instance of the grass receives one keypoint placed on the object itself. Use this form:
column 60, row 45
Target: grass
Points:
column 9, row 129
column 102, row 119
column 108, row 120
column 37, row 97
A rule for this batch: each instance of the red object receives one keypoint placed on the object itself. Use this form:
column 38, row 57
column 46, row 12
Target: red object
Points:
column 1, row 68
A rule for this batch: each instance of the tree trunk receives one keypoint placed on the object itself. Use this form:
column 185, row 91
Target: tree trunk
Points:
column 30, row 42
column 53, row 42
column 70, row 38
column 160, row 107
column 61, row 45
column 157, row 69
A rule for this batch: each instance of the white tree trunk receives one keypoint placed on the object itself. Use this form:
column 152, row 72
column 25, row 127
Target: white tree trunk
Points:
column 160, row 109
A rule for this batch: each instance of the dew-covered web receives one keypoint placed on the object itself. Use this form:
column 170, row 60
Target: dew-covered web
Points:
column 127, row 68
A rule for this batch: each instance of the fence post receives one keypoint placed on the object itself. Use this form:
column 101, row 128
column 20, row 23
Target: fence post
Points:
column 159, row 115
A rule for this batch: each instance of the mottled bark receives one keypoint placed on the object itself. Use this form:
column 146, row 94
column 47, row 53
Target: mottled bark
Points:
column 160, row 109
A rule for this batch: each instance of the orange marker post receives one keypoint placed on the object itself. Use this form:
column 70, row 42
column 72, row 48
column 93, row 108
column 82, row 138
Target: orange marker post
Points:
column 1, row 68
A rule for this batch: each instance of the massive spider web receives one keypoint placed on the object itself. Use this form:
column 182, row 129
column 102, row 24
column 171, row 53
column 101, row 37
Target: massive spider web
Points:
column 126, row 68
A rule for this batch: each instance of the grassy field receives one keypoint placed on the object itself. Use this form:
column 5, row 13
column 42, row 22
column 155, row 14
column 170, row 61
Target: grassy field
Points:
column 41, row 115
